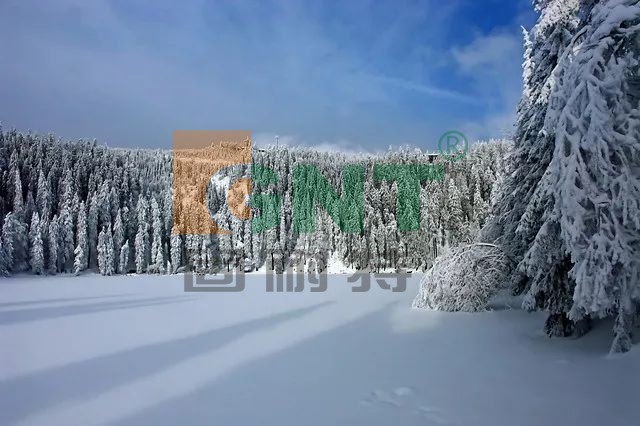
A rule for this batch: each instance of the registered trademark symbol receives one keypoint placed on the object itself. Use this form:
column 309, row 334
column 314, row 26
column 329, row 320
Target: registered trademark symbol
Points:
column 453, row 145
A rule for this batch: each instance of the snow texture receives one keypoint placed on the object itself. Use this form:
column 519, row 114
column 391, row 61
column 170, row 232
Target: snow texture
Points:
column 125, row 350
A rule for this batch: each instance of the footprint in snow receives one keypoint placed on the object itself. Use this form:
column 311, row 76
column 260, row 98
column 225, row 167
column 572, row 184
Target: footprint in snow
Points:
column 382, row 397
column 403, row 398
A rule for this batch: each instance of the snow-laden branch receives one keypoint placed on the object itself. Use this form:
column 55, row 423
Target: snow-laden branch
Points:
column 464, row 279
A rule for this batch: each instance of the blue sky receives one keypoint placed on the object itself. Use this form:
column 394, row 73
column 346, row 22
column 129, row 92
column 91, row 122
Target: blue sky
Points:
column 353, row 75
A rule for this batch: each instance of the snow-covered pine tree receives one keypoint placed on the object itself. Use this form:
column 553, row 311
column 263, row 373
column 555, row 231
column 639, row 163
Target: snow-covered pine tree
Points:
column 192, row 249
column 18, row 228
column 123, row 263
column 66, row 233
column 81, row 252
column 454, row 227
column 104, row 203
column 167, row 215
column 36, row 259
column 92, row 230
column 546, row 48
column 18, row 201
column 176, row 252
column 118, row 237
column 247, row 262
column 480, row 205
column 54, row 243
column 374, row 255
column 526, row 199
column 43, row 198
column 105, row 251
column 9, row 229
column 29, row 207
column 570, row 211
column 140, row 249
column 276, row 256
column 428, row 224
column 597, row 165
column 205, row 260
column 157, row 255
column 4, row 270
column 142, row 236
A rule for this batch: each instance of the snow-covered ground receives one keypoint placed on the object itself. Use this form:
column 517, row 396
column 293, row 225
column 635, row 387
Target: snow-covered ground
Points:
column 138, row 350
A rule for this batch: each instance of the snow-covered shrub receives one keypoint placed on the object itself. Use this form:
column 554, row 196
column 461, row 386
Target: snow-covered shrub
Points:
column 464, row 279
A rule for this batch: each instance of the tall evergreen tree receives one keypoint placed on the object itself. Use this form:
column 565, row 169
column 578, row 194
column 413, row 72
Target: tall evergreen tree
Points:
column 18, row 201
column 43, row 199
column 9, row 229
column 36, row 250
column 157, row 255
column 92, row 230
column 66, row 236
column 596, row 167
column 142, row 237
column 569, row 211
column 176, row 252
column 105, row 251
column 118, row 237
column 4, row 267
column 54, row 244
column 123, row 265
column 81, row 252
column 140, row 249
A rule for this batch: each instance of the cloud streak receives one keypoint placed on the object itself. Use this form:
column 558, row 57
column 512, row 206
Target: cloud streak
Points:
column 432, row 91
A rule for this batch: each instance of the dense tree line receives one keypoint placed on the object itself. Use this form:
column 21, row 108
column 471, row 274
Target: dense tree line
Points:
column 67, row 207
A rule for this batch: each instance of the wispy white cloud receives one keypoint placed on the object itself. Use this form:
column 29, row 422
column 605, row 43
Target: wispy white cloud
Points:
column 433, row 91
column 487, row 53
column 492, row 62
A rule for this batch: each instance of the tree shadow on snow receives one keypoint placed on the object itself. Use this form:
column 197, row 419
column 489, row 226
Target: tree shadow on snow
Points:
column 51, row 312
column 363, row 373
column 27, row 395
column 318, row 380
column 60, row 299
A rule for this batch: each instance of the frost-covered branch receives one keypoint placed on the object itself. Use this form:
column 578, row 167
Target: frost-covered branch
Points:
column 464, row 279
